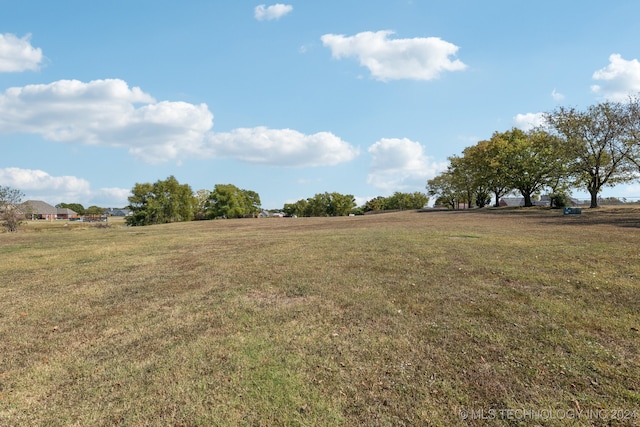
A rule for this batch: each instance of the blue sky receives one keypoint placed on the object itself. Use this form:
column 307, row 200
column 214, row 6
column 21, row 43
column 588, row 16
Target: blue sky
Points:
column 288, row 99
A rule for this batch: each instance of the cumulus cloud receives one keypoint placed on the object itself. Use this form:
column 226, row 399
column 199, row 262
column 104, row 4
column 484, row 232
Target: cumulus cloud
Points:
column 528, row 121
column 401, row 165
column 620, row 78
column 107, row 113
column 39, row 185
column 30, row 179
column 281, row 147
column 268, row 13
column 17, row 54
column 110, row 113
column 395, row 59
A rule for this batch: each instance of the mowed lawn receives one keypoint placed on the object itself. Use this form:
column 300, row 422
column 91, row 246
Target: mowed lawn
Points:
column 490, row 317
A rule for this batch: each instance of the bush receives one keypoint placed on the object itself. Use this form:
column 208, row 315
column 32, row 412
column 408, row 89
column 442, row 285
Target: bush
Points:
column 559, row 200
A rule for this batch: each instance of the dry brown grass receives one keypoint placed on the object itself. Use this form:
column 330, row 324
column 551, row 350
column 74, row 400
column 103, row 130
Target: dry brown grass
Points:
column 398, row 319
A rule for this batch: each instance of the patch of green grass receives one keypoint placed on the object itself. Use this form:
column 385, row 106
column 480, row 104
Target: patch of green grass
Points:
column 396, row 319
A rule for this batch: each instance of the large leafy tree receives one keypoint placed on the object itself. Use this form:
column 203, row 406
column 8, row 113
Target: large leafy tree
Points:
column 464, row 179
column 443, row 188
column 597, row 141
column 10, row 214
column 318, row 205
column 161, row 202
column 341, row 204
column 532, row 161
column 487, row 160
column 296, row 209
column 229, row 201
column 510, row 160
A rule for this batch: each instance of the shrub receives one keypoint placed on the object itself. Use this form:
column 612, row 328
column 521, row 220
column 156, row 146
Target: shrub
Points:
column 559, row 200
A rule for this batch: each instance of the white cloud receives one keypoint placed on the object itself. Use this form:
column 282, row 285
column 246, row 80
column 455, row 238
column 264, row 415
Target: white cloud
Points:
column 108, row 113
column 401, row 165
column 268, row 13
column 39, row 185
column 29, row 179
column 528, row 121
column 17, row 54
column 620, row 78
column 386, row 59
column 557, row 96
column 281, row 147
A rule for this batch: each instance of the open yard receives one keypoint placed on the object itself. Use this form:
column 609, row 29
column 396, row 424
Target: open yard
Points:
column 490, row 317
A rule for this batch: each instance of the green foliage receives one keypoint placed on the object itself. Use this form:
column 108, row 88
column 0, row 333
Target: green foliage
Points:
column 94, row 210
column 404, row 201
column 322, row 204
column 318, row 205
column 482, row 197
column 559, row 200
column 375, row 204
column 10, row 215
column 481, row 170
column 76, row 207
column 398, row 201
column 229, row 201
column 341, row 204
column 295, row 209
column 531, row 160
column 162, row 202
column 513, row 160
column 444, row 189
column 600, row 142
column 490, row 158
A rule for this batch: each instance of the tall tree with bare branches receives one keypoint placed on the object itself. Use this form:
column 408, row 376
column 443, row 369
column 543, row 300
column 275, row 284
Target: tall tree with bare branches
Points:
column 10, row 214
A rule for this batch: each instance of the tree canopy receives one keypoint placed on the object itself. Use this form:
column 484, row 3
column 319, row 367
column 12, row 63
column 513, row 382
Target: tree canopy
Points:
column 229, row 201
column 601, row 144
column 322, row 204
column 76, row 207
column 161, row 202
column 397, row 201
column 589, row 149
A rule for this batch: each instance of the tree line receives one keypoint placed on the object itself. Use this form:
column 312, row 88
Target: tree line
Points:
column 169, row 201
column 582, row 149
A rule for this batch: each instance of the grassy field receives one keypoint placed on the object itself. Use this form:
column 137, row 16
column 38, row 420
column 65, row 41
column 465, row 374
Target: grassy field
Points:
column 491, row 317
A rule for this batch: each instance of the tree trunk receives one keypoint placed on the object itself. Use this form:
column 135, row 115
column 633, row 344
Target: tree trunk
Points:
column 594, row 198
column 527, row 200
column 594, row 188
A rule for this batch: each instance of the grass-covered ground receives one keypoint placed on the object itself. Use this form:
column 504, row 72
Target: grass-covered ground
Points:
column 491, row 317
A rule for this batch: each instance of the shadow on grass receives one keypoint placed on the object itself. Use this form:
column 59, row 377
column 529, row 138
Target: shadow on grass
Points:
column 618, row 217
